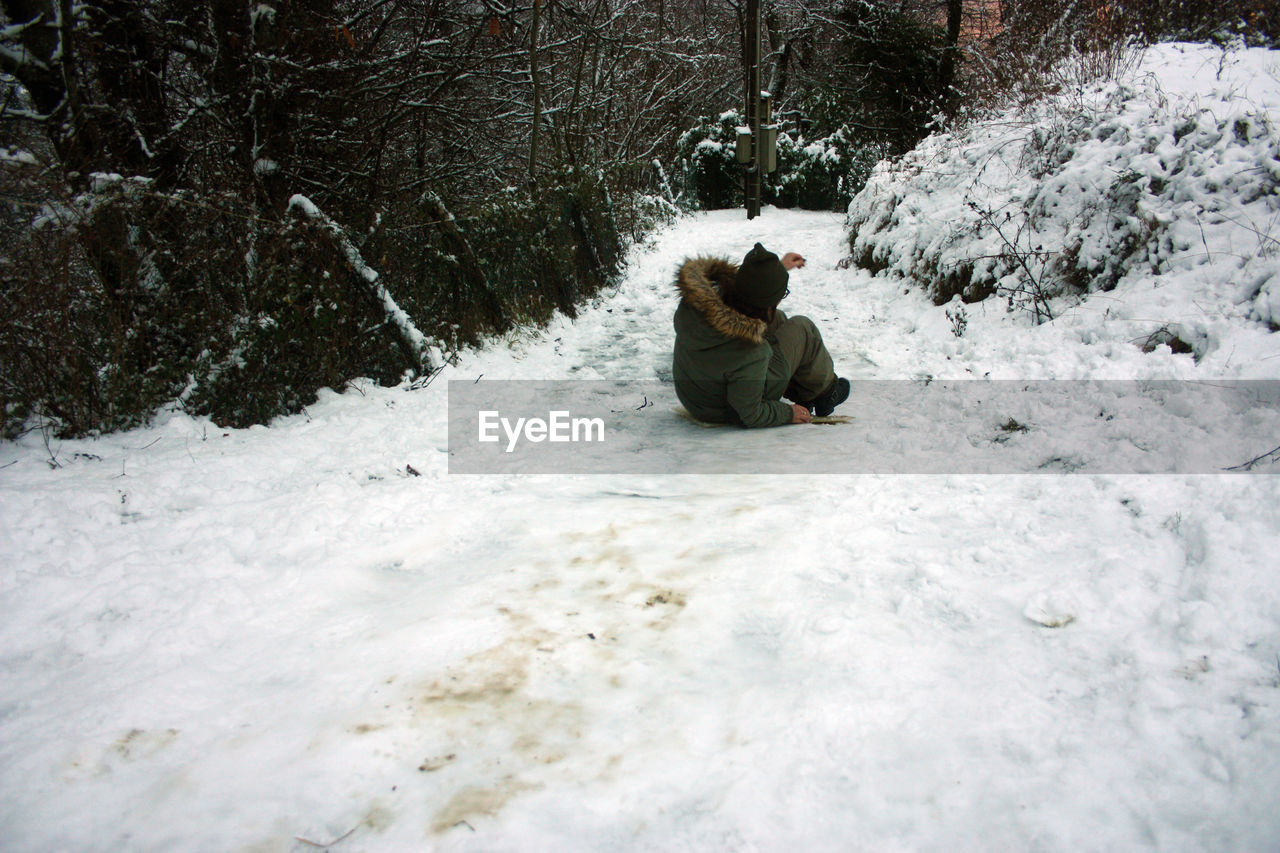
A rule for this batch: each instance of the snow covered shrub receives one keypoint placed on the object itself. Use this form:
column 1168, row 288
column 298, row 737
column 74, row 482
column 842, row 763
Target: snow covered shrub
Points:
column 123, row 299
column 552, row 248
column 824, row 174
column 959, row 320
column 52, row 331
column 1082, row 192
column 708, row 172
column 819, row 174
column 308, row 320
column 107, row 315
column 638, row 214
column 513, row 258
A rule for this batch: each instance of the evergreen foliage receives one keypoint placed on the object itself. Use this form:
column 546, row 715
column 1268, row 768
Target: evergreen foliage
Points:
column 819, row 174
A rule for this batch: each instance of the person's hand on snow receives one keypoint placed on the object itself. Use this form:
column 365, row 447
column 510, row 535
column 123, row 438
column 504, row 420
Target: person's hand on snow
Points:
column 791, row 260
column 799, row 414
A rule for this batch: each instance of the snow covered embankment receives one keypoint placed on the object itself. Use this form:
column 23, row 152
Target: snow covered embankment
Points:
column 1138, row 184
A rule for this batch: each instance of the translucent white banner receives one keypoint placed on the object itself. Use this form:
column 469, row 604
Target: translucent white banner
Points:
column 888, row 427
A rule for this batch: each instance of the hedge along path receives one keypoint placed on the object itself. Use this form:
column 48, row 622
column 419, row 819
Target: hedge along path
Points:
column 466, row 259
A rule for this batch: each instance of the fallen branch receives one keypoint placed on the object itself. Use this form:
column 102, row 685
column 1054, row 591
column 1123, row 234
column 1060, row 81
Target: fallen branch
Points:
column 1272, row 455
column 410, row 336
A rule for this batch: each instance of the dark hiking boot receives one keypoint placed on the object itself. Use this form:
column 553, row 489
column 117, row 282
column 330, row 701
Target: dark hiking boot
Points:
column 826, row 404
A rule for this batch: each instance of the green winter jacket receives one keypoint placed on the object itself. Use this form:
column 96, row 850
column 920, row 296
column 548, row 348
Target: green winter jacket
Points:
column 721, row 360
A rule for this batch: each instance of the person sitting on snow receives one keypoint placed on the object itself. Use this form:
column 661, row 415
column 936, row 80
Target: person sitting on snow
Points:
column 736, row 355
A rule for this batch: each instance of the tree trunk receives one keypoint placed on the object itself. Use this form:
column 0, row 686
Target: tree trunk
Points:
column 780, row 56
column 537, row 94
column 947, row 72
column 87, row 136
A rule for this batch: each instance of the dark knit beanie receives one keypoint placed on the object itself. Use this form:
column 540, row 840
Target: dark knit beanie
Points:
column 762, row 279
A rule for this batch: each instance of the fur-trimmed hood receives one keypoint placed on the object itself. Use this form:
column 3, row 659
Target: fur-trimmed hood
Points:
column 700, row 282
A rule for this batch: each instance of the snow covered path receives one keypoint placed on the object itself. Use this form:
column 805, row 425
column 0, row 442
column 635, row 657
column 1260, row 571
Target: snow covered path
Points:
column 273, row 639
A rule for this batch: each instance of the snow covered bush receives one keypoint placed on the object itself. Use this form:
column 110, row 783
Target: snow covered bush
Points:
column 823, row 174
column 516, row 257
column 707, row 172
column 557, row 247
column 1128, row 180
column 153, row 297
column 308, row 321
column 818, row 174
column 123, row 299
column 106, row 315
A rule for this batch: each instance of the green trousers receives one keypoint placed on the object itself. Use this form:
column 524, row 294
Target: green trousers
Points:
column 800, row 368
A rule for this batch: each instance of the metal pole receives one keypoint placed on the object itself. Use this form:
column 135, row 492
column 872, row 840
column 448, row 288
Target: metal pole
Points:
column 751, row 189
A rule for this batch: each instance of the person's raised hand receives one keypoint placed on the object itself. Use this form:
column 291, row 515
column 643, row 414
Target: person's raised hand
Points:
column 791, row 260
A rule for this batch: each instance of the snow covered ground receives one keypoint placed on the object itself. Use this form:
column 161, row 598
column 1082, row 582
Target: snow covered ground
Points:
column 278, row 639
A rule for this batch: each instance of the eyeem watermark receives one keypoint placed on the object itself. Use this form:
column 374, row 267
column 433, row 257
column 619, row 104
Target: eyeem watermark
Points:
column 559, row 426
column 926, row 426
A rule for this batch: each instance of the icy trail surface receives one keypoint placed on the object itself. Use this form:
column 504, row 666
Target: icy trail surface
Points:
column 278, row 638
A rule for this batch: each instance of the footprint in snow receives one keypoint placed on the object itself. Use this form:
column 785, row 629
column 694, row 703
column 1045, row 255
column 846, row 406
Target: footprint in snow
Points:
column 1052, row 610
